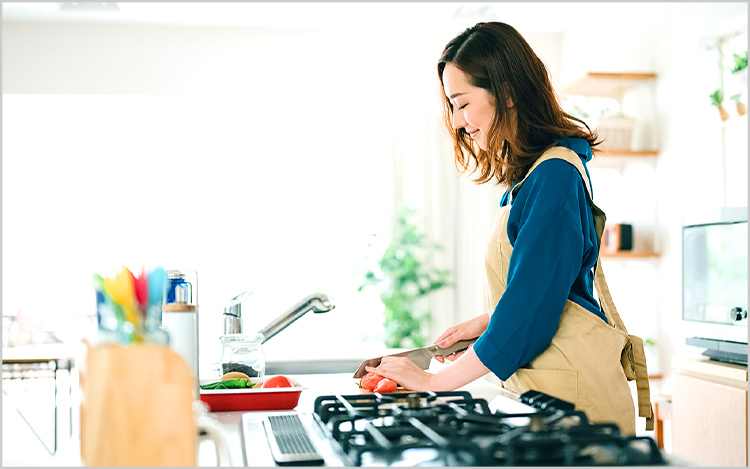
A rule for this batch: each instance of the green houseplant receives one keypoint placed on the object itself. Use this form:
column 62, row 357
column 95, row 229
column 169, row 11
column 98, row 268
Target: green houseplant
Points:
column 405, row 272
column 717, row 99
column 740, row 62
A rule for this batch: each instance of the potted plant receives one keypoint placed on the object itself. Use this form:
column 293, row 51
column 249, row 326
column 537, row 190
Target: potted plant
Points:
column 407, row 276
column 717, row 99
column 741, row 108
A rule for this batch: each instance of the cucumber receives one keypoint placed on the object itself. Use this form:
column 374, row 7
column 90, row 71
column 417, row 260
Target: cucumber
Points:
column 238, row 383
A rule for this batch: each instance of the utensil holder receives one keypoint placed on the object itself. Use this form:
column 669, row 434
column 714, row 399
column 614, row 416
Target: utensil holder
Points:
column 137, row 407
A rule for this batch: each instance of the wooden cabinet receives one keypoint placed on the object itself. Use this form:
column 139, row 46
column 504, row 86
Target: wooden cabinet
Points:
column 709, row 412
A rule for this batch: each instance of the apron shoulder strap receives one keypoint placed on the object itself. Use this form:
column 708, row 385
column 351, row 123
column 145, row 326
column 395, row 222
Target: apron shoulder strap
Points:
column 560, row 153
column 600, row 219
column 633, row 357
column 571, row 157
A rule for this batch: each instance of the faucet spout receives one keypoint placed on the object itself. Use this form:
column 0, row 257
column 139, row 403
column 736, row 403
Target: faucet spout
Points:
column 316, row 302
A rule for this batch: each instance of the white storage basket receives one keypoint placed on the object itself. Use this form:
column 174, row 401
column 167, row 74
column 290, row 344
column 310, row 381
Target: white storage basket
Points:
column 616, row 132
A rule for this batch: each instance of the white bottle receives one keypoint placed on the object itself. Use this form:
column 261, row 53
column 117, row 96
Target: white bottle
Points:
column 180, row 320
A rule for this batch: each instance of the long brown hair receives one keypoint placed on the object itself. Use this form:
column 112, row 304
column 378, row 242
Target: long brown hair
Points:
column 498, row 59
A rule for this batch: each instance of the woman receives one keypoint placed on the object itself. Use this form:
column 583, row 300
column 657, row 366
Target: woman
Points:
column 545, row 329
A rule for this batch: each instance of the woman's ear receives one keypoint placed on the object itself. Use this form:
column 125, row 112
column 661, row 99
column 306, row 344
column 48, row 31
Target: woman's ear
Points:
column 506, row 91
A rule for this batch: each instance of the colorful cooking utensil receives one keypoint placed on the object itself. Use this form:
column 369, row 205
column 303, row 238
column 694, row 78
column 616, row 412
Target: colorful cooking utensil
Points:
column 140, row 287
column 120, row 288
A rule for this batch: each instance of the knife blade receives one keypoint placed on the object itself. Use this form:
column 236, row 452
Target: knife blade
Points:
column 420, row 356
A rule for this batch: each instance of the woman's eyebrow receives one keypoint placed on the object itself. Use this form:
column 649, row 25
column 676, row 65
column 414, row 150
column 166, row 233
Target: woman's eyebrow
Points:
column 455, row 94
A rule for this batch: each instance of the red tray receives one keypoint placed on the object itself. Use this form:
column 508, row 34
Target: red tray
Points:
column 226, row 400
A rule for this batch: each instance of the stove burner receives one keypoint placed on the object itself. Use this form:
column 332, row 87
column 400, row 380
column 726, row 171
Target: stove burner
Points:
column 453, row 429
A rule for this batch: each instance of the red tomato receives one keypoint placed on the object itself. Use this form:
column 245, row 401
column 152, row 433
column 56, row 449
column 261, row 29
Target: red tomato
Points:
column 370, row 381
column 386, row 385
column 277, row 382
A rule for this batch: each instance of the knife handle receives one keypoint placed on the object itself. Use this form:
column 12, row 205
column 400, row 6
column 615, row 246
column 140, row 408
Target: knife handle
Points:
column 456, row 347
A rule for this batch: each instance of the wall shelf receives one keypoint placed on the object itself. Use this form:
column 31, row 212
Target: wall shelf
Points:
column 629, row 255
column 618, row 156
column 612, row 152
column 607, row 85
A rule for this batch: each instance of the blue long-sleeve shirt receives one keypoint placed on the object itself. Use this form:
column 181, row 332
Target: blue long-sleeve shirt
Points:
column 551, row 229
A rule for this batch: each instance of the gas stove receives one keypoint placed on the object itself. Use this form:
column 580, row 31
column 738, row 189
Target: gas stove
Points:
column 454, row 429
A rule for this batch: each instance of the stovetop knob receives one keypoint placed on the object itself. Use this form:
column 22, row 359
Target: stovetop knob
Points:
column 412, row 401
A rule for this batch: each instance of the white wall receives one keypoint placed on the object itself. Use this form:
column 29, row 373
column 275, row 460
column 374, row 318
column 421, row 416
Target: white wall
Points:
column 256, row 158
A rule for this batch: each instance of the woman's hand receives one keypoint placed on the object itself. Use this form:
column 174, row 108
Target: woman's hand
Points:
column 410, row 376
column 470, row 329
column 403, row 371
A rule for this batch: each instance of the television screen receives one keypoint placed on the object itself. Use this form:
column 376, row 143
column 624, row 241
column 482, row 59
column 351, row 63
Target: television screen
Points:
column 715, row 272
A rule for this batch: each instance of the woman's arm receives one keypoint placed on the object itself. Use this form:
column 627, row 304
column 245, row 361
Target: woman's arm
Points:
column 464, row 370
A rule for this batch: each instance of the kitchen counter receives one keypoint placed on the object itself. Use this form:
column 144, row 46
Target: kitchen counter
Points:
column 317, row 385
column 250, row 433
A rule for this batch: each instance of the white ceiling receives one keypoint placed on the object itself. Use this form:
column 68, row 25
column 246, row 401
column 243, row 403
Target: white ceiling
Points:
column 316, row 15
column 527, row 17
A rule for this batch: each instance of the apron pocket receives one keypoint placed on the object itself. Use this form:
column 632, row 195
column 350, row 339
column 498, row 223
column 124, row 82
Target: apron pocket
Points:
column 562, row 384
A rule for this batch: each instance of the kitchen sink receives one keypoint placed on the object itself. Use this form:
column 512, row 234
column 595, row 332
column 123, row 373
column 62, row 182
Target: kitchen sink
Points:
column 344, row 365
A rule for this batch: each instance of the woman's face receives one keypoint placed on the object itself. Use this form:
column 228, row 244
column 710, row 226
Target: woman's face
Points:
column 473, row 107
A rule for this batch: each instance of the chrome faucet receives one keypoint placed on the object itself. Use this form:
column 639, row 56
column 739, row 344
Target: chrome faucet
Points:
column 233, row 314
column 316, row 302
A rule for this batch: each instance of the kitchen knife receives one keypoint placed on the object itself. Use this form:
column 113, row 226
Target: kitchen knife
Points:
column 421, row 356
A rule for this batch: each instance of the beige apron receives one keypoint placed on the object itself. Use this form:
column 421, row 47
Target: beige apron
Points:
column 589, row 362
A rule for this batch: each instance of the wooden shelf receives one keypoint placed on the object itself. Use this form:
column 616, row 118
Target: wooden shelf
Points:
column 607, row 85
column 629, row 255
column 612, row 152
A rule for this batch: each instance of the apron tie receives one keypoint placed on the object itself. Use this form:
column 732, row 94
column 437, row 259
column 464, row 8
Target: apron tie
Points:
column 633, row 357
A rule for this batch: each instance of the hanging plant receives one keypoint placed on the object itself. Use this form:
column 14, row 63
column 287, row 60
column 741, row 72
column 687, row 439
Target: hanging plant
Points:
column 741, row 108
column 740, row 62
column 407, row 279
column 717, row 99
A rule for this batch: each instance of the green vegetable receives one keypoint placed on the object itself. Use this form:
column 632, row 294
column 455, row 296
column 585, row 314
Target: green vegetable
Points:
column 238, row 383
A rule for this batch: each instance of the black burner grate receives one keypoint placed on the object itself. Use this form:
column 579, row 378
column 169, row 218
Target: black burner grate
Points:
column 454, row 429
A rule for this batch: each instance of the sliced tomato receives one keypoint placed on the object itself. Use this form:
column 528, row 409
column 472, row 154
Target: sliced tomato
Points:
column 386, row 385
column 370, row 381
column 277, row 382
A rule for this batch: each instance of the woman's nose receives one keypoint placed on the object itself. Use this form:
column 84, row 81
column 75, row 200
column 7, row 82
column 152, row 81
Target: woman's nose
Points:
column 458, row 120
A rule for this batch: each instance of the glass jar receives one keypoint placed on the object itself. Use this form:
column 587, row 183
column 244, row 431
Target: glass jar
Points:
column 243, row 353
